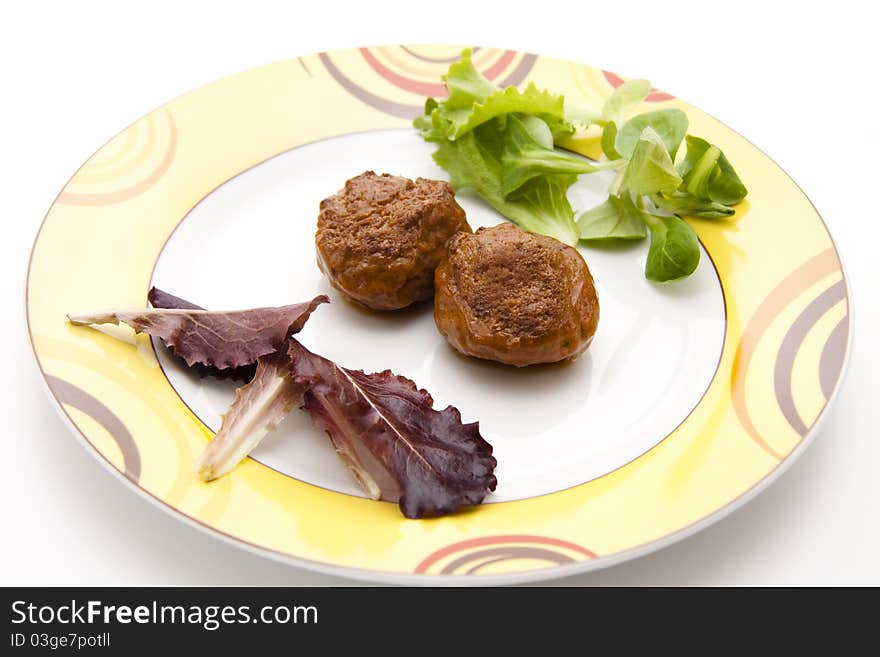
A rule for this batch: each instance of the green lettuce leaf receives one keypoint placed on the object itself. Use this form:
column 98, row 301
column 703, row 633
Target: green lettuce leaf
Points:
column 582, row 115
column 539, row 205
column 473, row 100
column 609, row 135
column 624, row 100
column 674, row 251
column 650, row 170
column 432, row 126
column 466, row 85
column 615, row 219
column 526, row 154
column 683, row 203
column 542, row 104
column 474, row 160
column 670, row 124
column 536, row 129
column 708, row 175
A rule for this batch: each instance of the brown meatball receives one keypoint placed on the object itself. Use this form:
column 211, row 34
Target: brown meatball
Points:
column 515, row 297
column 380, row 238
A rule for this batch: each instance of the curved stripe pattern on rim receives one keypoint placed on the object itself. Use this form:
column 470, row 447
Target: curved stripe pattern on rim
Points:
column 406, row 78
column 791, row 344
column 68, row 393
column 106, row 182
column 655, row 96
column 786, row 292
column 473, row 555
column 436, row 60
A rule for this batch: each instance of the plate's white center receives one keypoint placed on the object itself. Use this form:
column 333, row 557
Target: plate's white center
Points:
column 251, row 243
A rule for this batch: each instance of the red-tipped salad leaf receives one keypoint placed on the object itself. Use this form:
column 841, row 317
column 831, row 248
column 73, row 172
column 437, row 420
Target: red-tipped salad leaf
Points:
column 388, row 433
column 385, row 428
column 161, row 299
column 256, row 410
column 214, row 338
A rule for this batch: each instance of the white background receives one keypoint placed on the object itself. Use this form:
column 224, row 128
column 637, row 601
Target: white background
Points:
column 798, row 79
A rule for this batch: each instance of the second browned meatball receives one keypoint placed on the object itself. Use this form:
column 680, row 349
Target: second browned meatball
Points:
column 515, row 297
column 380, row 237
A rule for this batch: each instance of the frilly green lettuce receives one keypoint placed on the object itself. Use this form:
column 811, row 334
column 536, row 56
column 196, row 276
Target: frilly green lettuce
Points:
column 500, row 143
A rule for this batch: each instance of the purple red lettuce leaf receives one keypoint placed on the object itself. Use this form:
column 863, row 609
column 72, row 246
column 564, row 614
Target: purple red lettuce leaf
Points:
column 382, row 425
column 399, row 448
column 161, row 299
column 221, row 339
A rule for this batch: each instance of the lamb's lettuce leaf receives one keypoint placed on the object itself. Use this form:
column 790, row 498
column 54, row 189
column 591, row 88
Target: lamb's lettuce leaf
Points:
column 609, row 136
column 624, row 100
column 650, row 170
column 682, row 203
column 615, row 219
column 674, row 251
column 708, row 174
column 670, row 124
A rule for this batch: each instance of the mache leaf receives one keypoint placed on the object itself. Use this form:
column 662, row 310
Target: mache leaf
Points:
column 221, row 339
column 615, row 219
column 398, row 447
column 609, row 135
column 650, row 170
column 682, row 203
column 670, row 124
column 624, row 100
column 708, row 174
column 674, row 251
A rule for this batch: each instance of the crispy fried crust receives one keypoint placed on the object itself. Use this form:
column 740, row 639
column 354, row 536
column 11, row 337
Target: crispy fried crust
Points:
column 380, row 238
column 515, row 297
